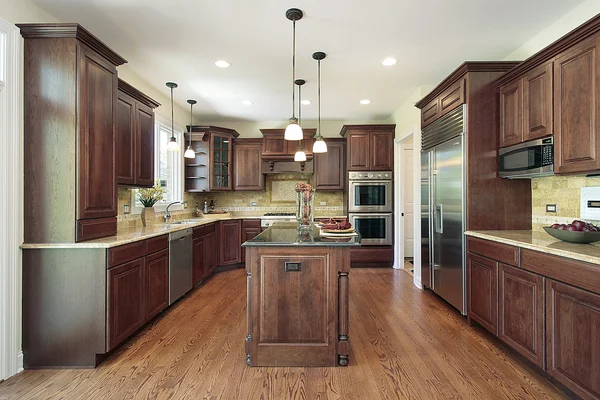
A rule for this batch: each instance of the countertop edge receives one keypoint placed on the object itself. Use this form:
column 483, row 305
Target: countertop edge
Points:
column 542, row 249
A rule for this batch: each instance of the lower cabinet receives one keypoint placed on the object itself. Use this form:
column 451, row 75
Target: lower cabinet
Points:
column 482, row 283
column 198, row 271
column 250, row 229
column 125, row 300
column 521, row 312
column 573, row 344
column 230, row 232
column 210, row 253
column 157, row 283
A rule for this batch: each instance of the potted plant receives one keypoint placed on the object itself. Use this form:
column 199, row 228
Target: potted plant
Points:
column 148, row 197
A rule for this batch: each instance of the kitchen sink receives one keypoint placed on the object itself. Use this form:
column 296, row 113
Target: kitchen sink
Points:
column 184, row 222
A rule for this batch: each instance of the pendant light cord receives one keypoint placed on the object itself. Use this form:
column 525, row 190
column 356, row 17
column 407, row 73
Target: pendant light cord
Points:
column 300, row 113
column 319, row 96
column 191, row 119
column 172, row 114
column 294, row 70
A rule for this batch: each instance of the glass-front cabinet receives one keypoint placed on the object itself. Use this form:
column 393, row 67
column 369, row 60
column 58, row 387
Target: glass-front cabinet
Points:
column 213, row 171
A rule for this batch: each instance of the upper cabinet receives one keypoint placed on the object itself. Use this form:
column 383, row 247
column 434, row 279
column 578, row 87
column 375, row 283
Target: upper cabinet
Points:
column 247, row 165
column 369, row 147
column 526, row 106
column 213, row 162
column 276, row 148
column 557, row 92
column 135, row 137
column 330, row 167
column 70, row 113
column 441, row 105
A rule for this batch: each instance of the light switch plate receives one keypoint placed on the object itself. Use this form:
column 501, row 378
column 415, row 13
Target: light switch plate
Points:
column 551, row 208
column 323, row 203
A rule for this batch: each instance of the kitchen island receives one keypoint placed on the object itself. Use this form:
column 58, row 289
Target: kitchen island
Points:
column 297, row 297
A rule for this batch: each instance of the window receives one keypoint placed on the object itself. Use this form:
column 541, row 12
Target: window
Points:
column 167, row 166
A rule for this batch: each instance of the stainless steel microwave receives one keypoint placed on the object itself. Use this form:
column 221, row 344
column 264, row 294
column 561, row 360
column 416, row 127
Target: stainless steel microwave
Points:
column 527, row 160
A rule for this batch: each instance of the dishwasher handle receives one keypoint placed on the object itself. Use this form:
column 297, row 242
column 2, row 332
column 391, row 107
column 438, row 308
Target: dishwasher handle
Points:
column 180, row 235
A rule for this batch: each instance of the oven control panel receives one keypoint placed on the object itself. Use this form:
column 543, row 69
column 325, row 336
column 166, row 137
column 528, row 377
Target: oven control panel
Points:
column 370, row 175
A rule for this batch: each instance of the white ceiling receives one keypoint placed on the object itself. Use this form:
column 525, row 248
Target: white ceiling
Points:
column 179, row 40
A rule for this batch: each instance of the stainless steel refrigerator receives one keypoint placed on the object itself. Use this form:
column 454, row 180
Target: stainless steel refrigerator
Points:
column 443, row 208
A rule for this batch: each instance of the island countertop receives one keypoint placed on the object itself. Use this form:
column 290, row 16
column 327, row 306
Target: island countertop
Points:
column 286, row 234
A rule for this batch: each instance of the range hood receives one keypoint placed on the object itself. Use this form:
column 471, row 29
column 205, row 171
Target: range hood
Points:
column 280, row 167
column 278, row 153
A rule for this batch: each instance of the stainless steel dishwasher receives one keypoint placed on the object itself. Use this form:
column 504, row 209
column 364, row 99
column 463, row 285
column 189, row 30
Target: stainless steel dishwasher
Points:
column 180, row 263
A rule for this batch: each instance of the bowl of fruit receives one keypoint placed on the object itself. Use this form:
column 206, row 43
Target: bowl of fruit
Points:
column 575, row 232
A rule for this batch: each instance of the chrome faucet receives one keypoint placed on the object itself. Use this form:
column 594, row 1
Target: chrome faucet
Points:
column 167, row 213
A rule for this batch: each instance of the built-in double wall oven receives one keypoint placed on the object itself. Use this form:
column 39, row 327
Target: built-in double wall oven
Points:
column 370, row 198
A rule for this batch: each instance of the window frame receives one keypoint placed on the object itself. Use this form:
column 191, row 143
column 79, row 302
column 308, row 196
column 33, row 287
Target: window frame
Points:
column 161, row 206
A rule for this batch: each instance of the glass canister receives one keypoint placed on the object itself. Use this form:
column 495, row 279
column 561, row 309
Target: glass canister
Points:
column 305, row 205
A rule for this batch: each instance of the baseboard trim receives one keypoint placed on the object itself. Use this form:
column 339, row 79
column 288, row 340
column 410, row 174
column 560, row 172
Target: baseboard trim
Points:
column 417, row 282
column 20, row 362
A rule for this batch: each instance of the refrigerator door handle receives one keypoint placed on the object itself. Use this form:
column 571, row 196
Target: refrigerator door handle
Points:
column 439, row 218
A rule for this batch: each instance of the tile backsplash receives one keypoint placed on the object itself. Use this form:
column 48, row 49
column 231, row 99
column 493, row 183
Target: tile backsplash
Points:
column 564, row 191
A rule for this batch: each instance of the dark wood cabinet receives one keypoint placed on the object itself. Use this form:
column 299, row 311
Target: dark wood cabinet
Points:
column 521, row 312
column 134, row 137
column 211, row 253
column 229, row 241
column 157, row 283
column 450, row 98
column 369, row 147
column 198, row 268
column 482, row 296
column 247, row 165
column 70, row 114
column 511, row 119
column 526, row 106
column 577, row 109
column 276, row 148
column 573, row 338
column 250, row 229
column 430, row 112
column 125, row 308
column 329, row 169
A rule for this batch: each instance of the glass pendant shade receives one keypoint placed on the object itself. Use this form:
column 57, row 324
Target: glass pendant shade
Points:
column 300, row 156
column 319, row 146
column 172, row 146
column 293, row 131
column 189, row 153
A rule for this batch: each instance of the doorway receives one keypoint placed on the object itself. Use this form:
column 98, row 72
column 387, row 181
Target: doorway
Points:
column 404, row 203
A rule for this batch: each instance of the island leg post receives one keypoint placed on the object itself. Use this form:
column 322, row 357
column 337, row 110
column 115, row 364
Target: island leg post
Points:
column 343, row 339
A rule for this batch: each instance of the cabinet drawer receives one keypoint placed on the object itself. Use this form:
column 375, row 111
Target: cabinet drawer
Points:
column 157, row 243
column 251, row 223
column 88, row 229
column 496, row 251
column 210, row 228
column 576, row 273
column 127, row 252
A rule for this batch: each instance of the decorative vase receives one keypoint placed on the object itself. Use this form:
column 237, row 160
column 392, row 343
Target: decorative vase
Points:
column 148, row 216
column 305, row 206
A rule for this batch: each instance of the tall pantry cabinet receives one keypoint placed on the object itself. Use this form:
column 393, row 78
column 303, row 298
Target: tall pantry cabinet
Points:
column 70, row 105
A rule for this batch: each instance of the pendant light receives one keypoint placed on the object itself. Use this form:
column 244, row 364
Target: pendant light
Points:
column 293, row 130
column 300, row 154
column 172, row 146
column 190, row 153
column 319, row 146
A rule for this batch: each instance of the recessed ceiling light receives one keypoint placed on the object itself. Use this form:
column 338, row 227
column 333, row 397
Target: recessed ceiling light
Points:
column 247, row 102
column 222, row 64
column 388, row 62
column 306, row 102
column 365, row 101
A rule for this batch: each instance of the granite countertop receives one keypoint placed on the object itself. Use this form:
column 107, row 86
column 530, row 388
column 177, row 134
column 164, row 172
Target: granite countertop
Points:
column 285, row 234
column 542, row 242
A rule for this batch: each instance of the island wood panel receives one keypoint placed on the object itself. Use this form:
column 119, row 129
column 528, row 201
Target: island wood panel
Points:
column 537, row 102
column 482, row 296
column 521, row 312
column 293, row 315
column 577, row 108
column 573, row 338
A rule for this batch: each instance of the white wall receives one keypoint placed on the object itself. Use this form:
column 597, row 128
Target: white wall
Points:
column 564, row 25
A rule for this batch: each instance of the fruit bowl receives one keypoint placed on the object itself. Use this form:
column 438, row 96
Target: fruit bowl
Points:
column 573, row 236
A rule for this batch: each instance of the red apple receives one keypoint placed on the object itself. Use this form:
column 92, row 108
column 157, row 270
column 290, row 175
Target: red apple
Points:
column 578, row 224
column 572, row 228
column 554, row 226
column 562, row 227
column 586, row 229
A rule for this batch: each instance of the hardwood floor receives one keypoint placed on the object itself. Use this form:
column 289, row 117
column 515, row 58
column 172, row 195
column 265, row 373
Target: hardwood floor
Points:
column 405, row 344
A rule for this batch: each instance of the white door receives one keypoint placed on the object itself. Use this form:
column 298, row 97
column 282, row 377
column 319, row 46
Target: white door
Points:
column 408, row 204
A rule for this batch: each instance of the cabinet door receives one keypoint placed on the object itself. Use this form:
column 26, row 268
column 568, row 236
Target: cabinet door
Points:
column 248, row 234
column 537, row 102
column 229, row 241
column 125, row 295
column 210, row 253
column 521, row 312
column 358, row 151
column 125, row 140
column 97, row 109
column 329, row 167
column 573, row 338
column 247, row 167
column 198, row 263
column 382, row 151
column 220, row 171
column 511, row 118
column 577, row 109
column 430, row 112
column 452, row 97
column 157, row 283
column 144, row 149
column 482, row 282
